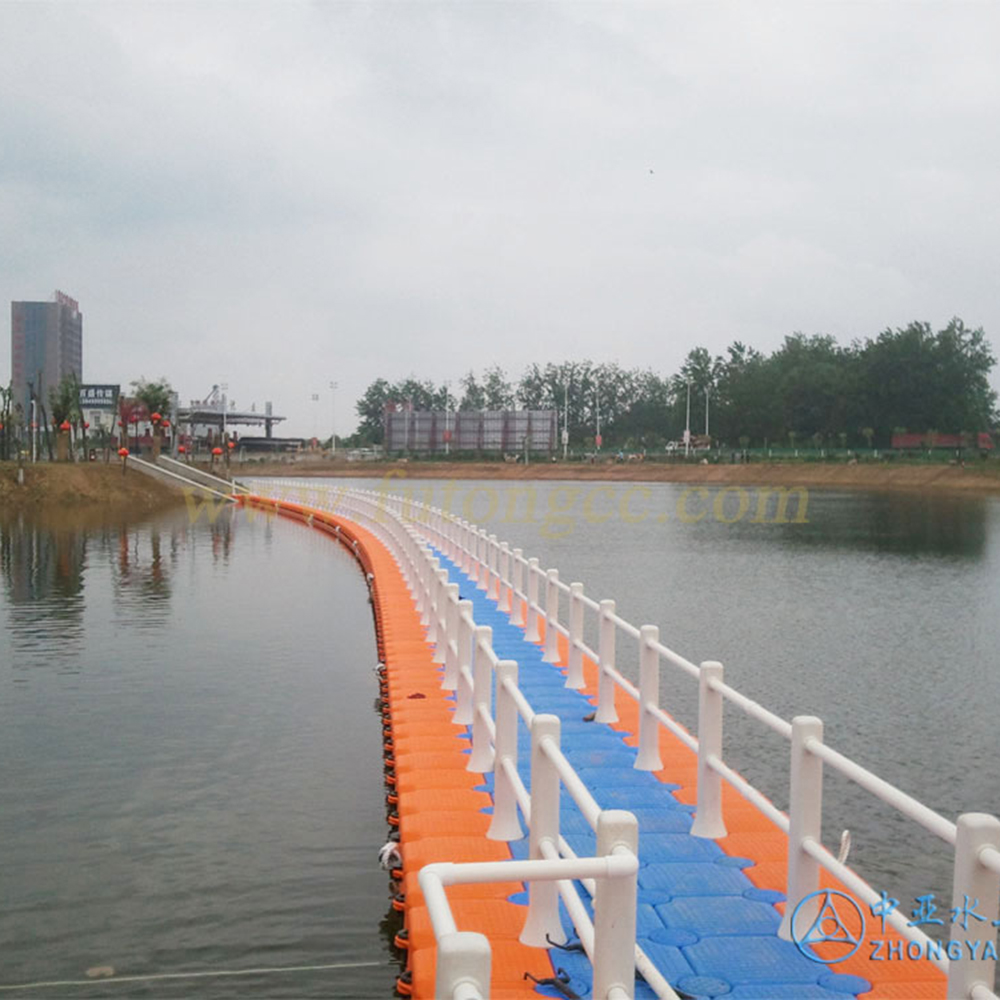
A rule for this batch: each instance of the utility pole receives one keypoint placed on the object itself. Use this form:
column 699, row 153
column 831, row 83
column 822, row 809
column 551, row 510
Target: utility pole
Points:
column 597, row 400
column 687, row 426
column 447, row 418
column 32, row 420
column 333, row 420
column 565, row 433
column 707, row 391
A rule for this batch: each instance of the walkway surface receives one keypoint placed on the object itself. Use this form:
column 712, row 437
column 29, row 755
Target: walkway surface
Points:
column 708, row 911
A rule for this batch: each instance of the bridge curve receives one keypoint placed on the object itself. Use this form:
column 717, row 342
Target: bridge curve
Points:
column 469, row 651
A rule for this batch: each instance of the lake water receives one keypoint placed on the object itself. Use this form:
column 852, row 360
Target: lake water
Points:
column 192, row 771
column 192, row 766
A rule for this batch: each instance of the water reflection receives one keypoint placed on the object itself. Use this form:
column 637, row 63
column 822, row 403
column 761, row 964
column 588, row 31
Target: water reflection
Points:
column 904, row 523
column 189, row 783
column 45, row 563
column 42, row 569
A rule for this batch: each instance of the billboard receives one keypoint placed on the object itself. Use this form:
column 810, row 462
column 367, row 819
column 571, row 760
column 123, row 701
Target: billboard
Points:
column 98, row 397
column 498, row 431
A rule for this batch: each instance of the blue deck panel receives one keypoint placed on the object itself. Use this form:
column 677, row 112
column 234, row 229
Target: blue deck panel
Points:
column 703, row 923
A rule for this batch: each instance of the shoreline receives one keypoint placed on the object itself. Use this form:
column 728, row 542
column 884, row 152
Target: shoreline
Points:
column 67, row 487
column 881, row 476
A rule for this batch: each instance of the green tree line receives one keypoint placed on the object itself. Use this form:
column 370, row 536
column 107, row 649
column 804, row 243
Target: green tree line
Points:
column 810, row 391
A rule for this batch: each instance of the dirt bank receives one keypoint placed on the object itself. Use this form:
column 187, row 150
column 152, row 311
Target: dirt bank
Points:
column 814, row 475
column 48, row 486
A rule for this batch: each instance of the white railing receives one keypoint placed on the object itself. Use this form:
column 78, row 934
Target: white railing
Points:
column 413, row 527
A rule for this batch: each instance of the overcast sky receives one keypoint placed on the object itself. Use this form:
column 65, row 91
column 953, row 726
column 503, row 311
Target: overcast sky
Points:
column 277, row 195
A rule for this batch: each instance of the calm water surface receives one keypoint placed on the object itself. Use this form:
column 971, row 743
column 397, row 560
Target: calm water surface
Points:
column 880, row 614
column 192, row 767
column 192, row 771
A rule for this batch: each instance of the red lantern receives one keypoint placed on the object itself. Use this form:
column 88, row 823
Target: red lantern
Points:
column 1, row 427
column 232, row 444
column 64, row 426
column 166, row 423
column 216, row 451
column 133, row 419
column 156, row 418
column 86, row 425
column 181, row 449
column 123, row 452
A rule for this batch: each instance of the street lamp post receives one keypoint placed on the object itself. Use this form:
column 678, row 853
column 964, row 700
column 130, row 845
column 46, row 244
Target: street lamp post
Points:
column 447, row 418
column 597, row 401
column 687, row 427
column 565, row 433
column 333, row 420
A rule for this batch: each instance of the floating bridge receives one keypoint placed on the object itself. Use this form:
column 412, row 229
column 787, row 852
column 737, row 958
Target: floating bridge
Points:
column 562, row 835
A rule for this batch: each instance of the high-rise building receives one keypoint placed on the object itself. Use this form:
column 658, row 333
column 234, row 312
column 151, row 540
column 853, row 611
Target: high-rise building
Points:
column 46, row 345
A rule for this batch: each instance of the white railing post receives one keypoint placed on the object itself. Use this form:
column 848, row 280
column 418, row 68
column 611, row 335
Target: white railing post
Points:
column 440, row 615
column 482, row 559
column 551, row 653
column 708, row 820
column 805, row 822
column 574, row 674
column 505, row 824
column 431, row 580
column 542, row 926
column 473, row 569
column 648, row 758
column 416, row 583
column 481, row 758
column 493, row 577
column 615, row 909
column 450, row 679
column 466, row 537
column 463, row 690
column 975, row 887
column 531, row 629
column 606, row 654
column 463, row 966
column 504, row 599
column 517, row 585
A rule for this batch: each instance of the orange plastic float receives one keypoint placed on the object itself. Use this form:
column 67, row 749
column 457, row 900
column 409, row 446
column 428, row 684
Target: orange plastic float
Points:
column 439, row 810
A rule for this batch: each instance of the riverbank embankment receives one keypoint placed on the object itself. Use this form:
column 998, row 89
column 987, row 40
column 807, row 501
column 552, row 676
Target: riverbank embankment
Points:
column 877, row 476
column 50, row 486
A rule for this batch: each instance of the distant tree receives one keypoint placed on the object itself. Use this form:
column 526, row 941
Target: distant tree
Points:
column 6, row 418
column 810, row 387
column 498, row 393
column 381, row 394
column 64, row 400
column 155, row 396
column 913, row 377
column 701, row 373
column 371, row 412
column 473, row 396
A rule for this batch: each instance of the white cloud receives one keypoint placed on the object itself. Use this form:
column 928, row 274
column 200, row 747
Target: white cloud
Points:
column 280, row 194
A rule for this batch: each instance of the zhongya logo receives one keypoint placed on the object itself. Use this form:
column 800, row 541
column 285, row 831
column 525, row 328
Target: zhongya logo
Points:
column 828, row 926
